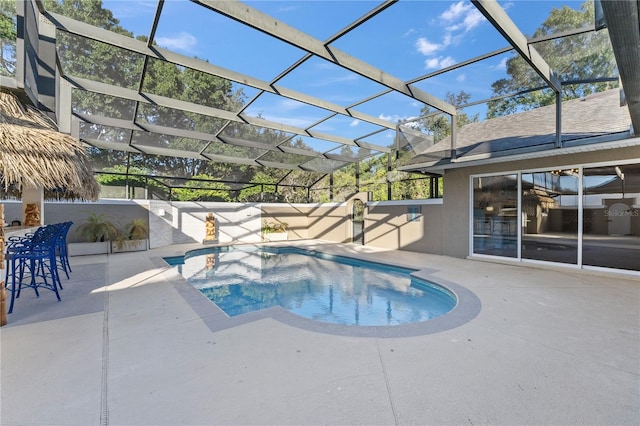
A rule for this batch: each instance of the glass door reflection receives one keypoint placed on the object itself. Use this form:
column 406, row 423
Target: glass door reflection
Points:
column 611, row 212
column 495, row 211
column 550, row 216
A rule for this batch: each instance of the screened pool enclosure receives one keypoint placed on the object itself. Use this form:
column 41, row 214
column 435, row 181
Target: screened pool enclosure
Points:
column 297, row 101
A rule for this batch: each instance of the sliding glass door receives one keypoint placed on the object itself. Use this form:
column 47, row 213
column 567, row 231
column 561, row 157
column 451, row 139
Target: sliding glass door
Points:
column 586, row 217
column 495, row 211
column 550, row 216
column 611, row 216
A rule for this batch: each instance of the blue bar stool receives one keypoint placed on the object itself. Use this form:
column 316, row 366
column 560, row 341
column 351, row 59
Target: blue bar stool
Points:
column 61, row 247
column 32, row 263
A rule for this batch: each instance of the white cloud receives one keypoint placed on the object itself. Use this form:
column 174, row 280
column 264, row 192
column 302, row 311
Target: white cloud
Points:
column 469, row 22
column 455, row 11
column 297, row 121
column 409, row 32
column 461, row 77
column 472, row 20
column 287, row 9
column 503, row 64
column 324, row 65
column 354, row 123
column 427, row 48
column 394, row 118
column 431, row 63
column 183, row 41
column 439, row 62
column 289, row 104
column 447, row 62
column 458, row 19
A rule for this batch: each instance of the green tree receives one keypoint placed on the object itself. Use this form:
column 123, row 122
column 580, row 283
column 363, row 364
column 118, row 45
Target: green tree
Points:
column 264, row 184
column 579, row 57
column 8, row 35
column 439, row 125
column 109, row 64
column 344, row 179
column 98, row 61
column 186, row 84
column 117, row 176
column 373, row 177
column 202, row 190
column 94, row 60
column 295, row 184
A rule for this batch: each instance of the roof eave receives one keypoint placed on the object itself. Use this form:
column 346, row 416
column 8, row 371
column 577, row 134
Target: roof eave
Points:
column 599, row 143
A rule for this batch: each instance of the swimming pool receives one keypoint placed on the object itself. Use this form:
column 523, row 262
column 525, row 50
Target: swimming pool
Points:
column 321, row 287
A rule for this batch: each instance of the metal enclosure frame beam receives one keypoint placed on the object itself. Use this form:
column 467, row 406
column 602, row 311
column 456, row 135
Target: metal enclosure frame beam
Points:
column 38, row 73
column 501, row 21
column 127, row 43
column 623, row 21
column 268, row 25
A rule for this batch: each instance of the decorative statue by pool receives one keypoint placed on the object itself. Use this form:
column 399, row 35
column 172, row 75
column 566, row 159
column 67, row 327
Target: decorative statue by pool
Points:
column 210, row 265
column 211, row 262
column 210, row 225
column 31, row 215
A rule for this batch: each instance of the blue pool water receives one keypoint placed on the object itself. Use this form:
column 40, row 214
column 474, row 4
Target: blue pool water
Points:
column 321, row 287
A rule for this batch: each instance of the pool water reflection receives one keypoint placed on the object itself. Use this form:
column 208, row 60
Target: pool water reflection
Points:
column 317, row 286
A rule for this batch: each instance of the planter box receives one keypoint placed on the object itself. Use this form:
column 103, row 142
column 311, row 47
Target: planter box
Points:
column 81, row 249
column 276, row 236
column 129, row 245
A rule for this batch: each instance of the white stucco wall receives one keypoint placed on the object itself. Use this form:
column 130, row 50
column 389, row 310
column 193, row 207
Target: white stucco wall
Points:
column 184, row 222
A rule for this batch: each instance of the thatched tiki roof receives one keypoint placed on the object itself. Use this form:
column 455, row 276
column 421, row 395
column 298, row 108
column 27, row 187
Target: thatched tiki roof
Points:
column 34, row 154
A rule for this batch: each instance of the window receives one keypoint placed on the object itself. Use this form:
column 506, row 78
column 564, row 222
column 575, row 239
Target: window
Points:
column 414, row 213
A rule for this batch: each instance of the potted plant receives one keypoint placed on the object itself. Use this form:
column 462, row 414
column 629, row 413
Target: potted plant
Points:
column 131, row 237
column 96, row 232
column 274, row 231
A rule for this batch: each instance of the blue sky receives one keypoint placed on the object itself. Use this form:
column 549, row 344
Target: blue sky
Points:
column 410, row 39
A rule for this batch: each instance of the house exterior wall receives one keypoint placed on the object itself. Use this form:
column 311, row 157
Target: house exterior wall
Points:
column 330, row 222
column 12, row 211
column 455, row 213
column 457, row 198
column 184, row 222
column 443, row 228
column 389, row 225
column 294, row 215
column 116, row 211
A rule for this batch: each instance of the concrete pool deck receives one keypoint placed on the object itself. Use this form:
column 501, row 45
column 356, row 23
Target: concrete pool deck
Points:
column 131, row 344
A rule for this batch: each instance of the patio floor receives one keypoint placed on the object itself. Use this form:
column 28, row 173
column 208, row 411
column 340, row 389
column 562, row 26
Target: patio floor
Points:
column 132, row 344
